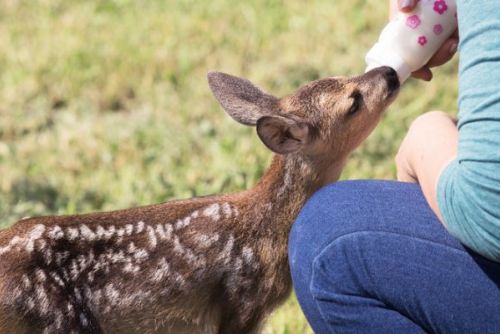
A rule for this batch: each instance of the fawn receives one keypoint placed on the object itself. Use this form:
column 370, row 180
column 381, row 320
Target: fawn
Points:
column 215, row 264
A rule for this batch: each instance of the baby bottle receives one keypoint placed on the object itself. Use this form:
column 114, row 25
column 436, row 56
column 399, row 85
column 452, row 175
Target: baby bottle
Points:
column 411, row 39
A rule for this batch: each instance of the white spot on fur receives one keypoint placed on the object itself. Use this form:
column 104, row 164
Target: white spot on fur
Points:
column 65, row 274
column 34, row 235
column 112, row 294
column 152, row 237
column 40, row 245
column 26, row 282
column 70, row 310
column 12, row 243
column 129, row 267
column 195, row 261
column 139, row 227
column 99, row 231
column 55, row 276
column 131, row 248
column 129, row 229
column 182, row 223
column 115, row 256
column 55, row 233
column 109, row 232
column 83, row 320
column 225, row 255
column 42, row 299
column 71, row 233
column 59, row 320
column 168, row 230
column 178, row 248
column 47, row 255
column 40, row 275
column 226, row 208
column 87, row 233
column 180, row 280
column 205, row 241
column 160, row 230
column 30, row 303
column 77, row 294
column 141, row 255
column 74, row 270
column 97, row 296
column 247, row 254
column 212, row 211
column 187, row 253
column 120, row 232
column 238, row 264
column 162, row 271
column 16, row 293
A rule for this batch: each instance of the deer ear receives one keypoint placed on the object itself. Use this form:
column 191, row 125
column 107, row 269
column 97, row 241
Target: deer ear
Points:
column 282, row 134
column 241, row 99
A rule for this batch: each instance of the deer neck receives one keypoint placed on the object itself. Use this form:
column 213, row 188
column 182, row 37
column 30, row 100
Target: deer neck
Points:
column 284, row 188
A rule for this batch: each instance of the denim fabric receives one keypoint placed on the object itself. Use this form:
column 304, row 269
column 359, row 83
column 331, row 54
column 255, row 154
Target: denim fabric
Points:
column 371, row 257
column 469, row 187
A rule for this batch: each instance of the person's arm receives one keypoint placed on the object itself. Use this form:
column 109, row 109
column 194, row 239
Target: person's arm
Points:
column 430, row 144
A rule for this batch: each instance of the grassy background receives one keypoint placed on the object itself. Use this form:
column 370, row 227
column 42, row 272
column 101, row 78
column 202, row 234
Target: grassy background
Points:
column 104, row 104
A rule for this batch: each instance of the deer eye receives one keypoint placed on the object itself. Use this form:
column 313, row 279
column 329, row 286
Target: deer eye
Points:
column 356, row 103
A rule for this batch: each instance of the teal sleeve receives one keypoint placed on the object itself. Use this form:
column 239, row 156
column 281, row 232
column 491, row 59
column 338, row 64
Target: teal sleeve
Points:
column 469, row 187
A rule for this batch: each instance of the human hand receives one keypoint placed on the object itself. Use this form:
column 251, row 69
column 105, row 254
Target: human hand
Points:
column 442, row 55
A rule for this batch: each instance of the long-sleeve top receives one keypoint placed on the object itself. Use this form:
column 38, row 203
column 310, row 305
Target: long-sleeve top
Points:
column 469, row 187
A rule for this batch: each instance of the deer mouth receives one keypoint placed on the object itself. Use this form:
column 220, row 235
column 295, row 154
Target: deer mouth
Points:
column 392, row 80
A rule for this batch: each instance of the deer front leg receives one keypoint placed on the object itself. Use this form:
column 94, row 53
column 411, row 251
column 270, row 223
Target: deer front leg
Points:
column 235, row 322
column 243, row 309
column 41, row 301
column 17, row 321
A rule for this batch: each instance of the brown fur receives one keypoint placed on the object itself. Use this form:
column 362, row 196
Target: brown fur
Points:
column 205, row 265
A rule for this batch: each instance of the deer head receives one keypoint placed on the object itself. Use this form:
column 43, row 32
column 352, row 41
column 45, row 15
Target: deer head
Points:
column 322, row 122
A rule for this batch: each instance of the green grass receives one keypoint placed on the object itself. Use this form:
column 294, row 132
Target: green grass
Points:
column 104, row 104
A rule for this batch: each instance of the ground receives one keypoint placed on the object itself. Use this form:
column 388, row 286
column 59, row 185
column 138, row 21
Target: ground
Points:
column 105, row 105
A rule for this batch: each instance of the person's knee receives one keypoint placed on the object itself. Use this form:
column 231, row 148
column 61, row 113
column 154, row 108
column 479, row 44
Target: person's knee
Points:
column 330, row 212
column 317, row 220
column 318, row 211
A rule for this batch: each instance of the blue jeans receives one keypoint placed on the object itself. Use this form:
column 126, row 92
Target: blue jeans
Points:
column 371, row 257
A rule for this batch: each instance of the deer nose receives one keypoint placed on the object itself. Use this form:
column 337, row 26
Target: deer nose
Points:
column 391, row 77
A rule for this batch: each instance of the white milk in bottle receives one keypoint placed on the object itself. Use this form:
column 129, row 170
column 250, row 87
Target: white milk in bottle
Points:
column 411, row 39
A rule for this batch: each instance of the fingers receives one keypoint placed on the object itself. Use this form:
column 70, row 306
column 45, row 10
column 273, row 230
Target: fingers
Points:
column 423, row 74
column 442, row 56
column 445, row 53
column 406, row 5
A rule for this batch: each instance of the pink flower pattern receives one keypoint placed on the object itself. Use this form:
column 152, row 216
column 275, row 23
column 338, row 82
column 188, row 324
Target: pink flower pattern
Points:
column 422, row 40
column 413, row 21
column 438, row 29
column 440, row 6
